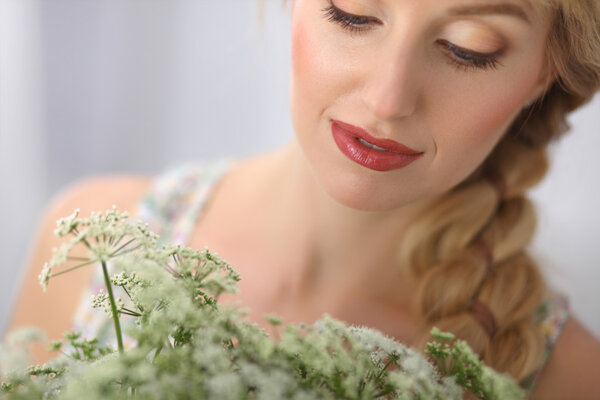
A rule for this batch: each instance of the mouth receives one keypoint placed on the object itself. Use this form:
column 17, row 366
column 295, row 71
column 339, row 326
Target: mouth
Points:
column 371, row 145
column 370, row 152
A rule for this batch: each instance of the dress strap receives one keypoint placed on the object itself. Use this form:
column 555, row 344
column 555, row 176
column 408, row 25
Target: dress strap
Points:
column 177, row 198
column 551, row 317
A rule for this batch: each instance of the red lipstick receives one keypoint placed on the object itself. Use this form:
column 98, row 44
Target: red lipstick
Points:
column 376, row 154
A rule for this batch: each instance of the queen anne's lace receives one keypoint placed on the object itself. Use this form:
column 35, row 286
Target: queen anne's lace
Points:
column 173, row 207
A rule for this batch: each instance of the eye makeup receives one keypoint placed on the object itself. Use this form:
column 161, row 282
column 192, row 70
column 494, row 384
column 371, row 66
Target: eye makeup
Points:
column 350, row 22
column 468, row 59
column 459, row 56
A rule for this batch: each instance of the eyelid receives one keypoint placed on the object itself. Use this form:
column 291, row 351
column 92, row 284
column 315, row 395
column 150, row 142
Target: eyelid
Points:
column 349, row 20
column 460, row 57
column 468, row 59
column 475, row 36
column 469, row 51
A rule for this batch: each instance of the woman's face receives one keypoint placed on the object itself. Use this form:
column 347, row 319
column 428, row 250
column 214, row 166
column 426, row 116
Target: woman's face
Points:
column 433, row 84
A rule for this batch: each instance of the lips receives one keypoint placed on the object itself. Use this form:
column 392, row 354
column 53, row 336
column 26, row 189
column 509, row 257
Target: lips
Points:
column 376, row 154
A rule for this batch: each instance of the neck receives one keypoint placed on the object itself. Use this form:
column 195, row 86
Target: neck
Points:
column 337, row 246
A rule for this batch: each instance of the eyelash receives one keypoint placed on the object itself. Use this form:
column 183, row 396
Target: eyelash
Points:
column 350, row 22
column 459, row 57
column 468, row 59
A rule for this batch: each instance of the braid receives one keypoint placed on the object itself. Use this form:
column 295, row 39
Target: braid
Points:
column 467, row 256
column 467, row 252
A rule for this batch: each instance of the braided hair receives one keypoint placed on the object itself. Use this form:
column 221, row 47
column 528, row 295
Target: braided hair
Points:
column 468, row 251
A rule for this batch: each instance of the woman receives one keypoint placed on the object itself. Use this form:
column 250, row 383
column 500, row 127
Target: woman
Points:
column 401, row 203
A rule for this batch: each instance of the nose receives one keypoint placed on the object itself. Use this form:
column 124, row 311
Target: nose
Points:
column 391, row 85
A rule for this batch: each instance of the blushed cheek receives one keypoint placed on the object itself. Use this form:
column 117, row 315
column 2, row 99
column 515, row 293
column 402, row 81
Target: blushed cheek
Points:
column 299, row 48
column 304, row 61
column 317, row 73
column 494, row 116
column 485, row 119
column 470, row 126
column 306, row 92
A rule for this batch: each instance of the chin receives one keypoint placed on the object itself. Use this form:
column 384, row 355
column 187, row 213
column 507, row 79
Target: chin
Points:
column 363, row 193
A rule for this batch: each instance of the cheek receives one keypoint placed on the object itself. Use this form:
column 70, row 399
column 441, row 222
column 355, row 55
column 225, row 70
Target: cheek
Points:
column 302, row 54
column 471, row 124
column 312, row 84
column 307, row 68
column 319, row 75
column 494, row 113
column 308, row 85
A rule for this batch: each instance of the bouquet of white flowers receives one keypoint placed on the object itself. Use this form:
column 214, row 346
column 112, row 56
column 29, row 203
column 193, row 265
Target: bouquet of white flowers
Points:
column 187, row 346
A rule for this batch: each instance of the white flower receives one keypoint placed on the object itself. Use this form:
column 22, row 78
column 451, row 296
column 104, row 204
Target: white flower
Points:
column 66, row 225
column 59, row 255
column 100, row 299
column 45, row 276
column 121, row 279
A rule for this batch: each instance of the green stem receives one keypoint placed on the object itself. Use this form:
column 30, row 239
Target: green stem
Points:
column 157, row 353
column 87, row 244
column 73, row 268
column 115, row 243
column 132, row 313
column 113, row 307
column 78, row 258
column 123, row 246
column 133, row 301
column 380, row 374
column 115, row 254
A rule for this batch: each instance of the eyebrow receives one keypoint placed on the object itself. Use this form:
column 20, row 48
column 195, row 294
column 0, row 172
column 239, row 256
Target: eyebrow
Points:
column 491, row 9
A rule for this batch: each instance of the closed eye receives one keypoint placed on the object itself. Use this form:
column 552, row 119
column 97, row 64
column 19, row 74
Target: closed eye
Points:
column 350, row 22
column 459, row 57
column 470, row 59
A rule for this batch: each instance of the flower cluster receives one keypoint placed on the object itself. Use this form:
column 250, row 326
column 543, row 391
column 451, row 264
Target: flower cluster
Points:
column 105, row 235
column 188, row 346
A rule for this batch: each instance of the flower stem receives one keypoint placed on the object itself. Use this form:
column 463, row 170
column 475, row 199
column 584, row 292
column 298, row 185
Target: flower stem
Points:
column 74, row 268
column 380, row 374
column 113, row 306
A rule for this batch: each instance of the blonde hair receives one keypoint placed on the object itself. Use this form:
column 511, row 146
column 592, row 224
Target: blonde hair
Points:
column 468, row 250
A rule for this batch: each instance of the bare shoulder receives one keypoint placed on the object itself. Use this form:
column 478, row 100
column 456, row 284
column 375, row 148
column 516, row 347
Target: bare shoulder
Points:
column 96, row 194
column 573, row 369
column 54, row 309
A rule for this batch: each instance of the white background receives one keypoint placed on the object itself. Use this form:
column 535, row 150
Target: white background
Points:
column 90, row 87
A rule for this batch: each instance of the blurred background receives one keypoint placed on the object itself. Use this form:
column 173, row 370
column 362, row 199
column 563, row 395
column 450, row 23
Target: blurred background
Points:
column 136, row 86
